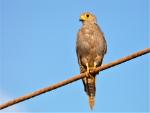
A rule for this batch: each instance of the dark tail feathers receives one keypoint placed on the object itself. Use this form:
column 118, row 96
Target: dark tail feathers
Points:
column 90, row 89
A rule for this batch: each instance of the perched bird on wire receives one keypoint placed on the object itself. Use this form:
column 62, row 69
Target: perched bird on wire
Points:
column 90, row 47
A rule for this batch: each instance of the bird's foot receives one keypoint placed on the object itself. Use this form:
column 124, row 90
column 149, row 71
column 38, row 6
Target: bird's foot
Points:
column 93, row 68
column 88, row 74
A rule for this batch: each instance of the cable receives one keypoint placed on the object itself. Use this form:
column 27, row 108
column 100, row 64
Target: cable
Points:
column 75, row 78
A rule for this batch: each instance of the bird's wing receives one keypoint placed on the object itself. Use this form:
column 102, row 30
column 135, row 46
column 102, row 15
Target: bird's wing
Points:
column 105, row 49
column 102, row 45
column 78, row 51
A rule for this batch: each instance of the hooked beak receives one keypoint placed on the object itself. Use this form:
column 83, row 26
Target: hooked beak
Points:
column 82, row 18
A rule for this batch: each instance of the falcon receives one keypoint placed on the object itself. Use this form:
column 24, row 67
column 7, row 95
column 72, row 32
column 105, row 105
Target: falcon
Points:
column 90, row 48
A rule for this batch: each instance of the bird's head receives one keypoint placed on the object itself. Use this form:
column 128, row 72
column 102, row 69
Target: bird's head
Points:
column 88, row 17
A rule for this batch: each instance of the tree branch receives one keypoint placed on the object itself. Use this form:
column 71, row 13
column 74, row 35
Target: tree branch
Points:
column 75, row 78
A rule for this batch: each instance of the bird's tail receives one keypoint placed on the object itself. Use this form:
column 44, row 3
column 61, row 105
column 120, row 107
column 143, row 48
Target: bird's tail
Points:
column 90, row 89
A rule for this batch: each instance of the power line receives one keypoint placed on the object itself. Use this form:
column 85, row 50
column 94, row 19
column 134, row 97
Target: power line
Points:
column 75, row 78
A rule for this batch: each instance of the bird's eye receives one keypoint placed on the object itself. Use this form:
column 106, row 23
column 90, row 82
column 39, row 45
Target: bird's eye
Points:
column 87, row 15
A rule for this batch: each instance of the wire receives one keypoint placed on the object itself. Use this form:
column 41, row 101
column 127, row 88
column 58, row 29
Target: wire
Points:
column 75, row 78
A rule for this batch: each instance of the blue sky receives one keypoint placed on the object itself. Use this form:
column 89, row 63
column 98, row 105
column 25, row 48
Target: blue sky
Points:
column 37, row 49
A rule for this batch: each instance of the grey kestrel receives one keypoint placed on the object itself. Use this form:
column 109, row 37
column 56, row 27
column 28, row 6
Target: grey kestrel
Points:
column 90, row 47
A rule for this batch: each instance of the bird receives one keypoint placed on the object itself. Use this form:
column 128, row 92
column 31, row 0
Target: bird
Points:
column 91, row 47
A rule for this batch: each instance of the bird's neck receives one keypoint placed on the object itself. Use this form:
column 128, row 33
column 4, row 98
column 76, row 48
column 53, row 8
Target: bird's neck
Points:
column 89, row 23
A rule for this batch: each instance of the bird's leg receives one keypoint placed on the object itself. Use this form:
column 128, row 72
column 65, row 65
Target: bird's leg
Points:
column 94, row 69
column 88, row 74
column 94, row 65
column 87, row 70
